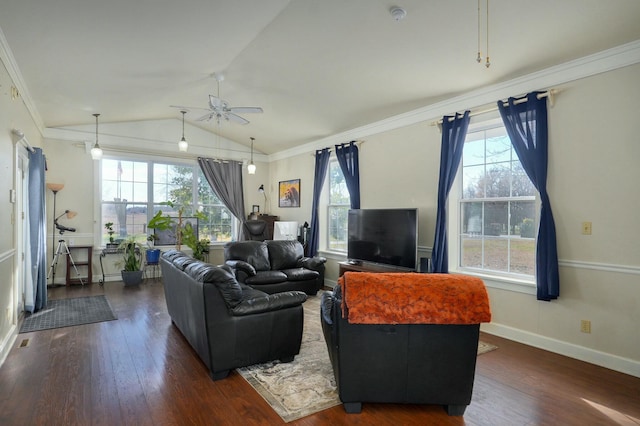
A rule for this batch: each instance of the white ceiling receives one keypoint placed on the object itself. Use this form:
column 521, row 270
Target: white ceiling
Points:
column 317, row 67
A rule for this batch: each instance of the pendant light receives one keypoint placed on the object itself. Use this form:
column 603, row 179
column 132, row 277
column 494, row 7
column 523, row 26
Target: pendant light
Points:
column 183, row 145
column 251, row 168
column 96, row 151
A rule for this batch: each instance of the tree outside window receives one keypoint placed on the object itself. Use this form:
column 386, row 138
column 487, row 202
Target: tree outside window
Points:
column 338, row 209
column 498, row 214
column 133, row 191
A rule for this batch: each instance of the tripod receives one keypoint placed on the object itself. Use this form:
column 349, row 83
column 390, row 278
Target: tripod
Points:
column 62, row 249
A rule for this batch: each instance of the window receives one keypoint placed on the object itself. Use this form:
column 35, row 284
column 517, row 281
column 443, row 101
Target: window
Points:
column 498, row 219
column 133, row 191
column 338, row 209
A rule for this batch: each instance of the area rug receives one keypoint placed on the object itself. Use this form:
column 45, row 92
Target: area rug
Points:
column 306, row 385
column 69, row 312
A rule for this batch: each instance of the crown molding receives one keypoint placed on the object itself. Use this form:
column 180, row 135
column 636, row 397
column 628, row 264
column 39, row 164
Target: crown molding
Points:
column 607, row 60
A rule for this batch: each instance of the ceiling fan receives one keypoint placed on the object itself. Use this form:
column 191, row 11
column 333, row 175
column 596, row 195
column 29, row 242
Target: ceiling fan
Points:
column 220, row 109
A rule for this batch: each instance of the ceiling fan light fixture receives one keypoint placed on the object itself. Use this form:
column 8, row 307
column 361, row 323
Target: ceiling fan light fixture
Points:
column 183, row 146
column 96, row 151
column 251, row 168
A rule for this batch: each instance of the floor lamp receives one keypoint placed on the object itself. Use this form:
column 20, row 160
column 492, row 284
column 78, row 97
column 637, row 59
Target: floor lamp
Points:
column 55, row 188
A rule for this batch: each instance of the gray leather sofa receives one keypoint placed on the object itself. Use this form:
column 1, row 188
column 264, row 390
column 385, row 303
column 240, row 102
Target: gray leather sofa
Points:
column 229, row 324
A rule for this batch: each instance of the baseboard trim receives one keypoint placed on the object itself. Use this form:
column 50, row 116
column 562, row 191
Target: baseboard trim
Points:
column 592, row 356
column 7, row 343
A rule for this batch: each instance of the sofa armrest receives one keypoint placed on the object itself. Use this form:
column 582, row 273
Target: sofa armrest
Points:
column 269, row 302
column 243, row 266
column 314, row 263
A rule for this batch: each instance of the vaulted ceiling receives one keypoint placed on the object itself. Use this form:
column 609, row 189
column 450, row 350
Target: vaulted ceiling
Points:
column 317, row 68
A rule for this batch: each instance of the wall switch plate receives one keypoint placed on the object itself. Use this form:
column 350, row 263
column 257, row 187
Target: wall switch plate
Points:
column 586, row 228
column 585, row 326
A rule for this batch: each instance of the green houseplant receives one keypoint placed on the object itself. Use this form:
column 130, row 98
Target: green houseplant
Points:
column 132, row 252
column 112, row 242
column 184, row 231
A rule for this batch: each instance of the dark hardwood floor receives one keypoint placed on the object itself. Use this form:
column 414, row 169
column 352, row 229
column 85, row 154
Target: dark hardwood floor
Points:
column 138, row 370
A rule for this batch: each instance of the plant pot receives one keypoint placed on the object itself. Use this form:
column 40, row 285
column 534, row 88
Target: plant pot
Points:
column 153, row 256
column 131, row 277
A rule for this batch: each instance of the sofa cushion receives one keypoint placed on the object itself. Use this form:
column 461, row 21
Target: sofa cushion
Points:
column 269, row 302
column 252, row 252
column 284, row 254
column 266, row 277
column 300, row 274
column 181, row 262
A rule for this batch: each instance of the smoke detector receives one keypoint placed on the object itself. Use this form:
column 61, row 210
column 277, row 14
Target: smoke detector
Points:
column 398, row 13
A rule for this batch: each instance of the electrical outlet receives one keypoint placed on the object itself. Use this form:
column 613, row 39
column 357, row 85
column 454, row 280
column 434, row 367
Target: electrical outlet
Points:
column 586, row 228
column 585, row 326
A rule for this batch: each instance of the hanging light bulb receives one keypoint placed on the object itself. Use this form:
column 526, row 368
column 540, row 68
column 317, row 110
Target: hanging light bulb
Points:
column 96, row 151
column 183, row 145
column 251, row 168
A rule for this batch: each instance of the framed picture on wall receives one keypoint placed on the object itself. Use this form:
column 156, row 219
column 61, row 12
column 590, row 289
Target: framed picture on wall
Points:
column 289, row 193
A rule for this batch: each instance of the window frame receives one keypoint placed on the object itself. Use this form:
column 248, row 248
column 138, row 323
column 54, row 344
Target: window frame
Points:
column 150, row 203
column 497, row 279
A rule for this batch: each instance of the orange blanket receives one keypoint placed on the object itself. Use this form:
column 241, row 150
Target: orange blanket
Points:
column 412, row 298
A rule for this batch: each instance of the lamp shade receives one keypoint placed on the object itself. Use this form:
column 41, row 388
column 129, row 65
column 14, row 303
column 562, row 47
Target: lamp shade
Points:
column 251, row 168
column 55, row 187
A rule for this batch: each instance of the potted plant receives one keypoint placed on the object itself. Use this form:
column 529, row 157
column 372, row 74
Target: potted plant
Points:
column 112, row 242
column 184, row 232
column 132, row 252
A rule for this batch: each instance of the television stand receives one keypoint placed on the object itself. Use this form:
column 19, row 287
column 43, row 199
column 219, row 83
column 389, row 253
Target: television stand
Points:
column 362, row 267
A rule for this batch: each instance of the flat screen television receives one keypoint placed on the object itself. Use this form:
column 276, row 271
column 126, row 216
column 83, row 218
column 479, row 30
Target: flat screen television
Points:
column 383, row 236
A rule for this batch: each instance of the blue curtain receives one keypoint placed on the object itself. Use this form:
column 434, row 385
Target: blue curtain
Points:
column 526, row 124
column 322, row 163
column 454, row 131
column 347, row 155
column 37, row 231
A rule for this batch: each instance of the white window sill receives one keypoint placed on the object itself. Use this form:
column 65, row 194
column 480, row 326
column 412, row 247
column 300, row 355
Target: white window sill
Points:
column 502, row 282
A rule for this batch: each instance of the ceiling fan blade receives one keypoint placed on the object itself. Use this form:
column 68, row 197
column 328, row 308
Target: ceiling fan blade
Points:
column 234, row 117
column 206, row 117
column 245, row 110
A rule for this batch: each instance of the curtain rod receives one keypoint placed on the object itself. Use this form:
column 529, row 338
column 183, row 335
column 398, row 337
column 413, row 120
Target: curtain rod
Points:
column 22, row 138
column 548, row 94
column 358, row 143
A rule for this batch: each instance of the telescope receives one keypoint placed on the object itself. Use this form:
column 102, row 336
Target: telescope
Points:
column 61, row 228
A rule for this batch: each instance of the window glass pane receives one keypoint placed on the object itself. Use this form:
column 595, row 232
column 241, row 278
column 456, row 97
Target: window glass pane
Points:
column 498, row 149
column 471, row 252
column 473, row 181
column 338, row 217
column 497, row 181
column 521, row 185
column 338, row 192
column 473, row 152
column 338, row 209
column 472, row 218
column 496, row 218
column 497, row 231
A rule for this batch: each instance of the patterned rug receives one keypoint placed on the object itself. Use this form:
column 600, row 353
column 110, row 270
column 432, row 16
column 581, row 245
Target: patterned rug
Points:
column 69, row 312
column 306, row 385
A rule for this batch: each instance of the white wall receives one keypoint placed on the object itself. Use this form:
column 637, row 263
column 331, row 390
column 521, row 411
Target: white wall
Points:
column 593, row 176
column 13, row 115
